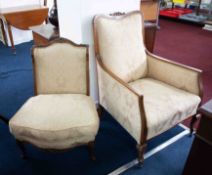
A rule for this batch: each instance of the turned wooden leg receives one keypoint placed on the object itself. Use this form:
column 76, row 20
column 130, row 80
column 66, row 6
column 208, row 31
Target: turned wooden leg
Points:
column 11, row 39
column 141, row 150
column 6, row 121
column 100, row 110
column 193, row 121
column 91, row 150
column 22, row 148
column 3, row 32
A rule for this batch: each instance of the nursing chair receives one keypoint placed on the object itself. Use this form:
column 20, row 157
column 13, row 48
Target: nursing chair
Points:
column 145, row 93
column 61, row 115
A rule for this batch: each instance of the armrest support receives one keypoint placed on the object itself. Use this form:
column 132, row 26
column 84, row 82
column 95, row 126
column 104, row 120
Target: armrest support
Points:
column 125, row 105
column 175, row 74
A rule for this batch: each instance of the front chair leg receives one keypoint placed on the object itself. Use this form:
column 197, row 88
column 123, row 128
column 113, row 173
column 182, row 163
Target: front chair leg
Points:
column 141, row 149
column 6, row 121
column 193, row 121
column 22, row 148
column 100, row 110
column 91, row 150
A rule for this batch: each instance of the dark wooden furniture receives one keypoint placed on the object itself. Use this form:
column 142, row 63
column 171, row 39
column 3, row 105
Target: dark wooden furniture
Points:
column 22, row 17
column 200, row 156
column 149, row 35
column 150, row 11
column 42, row 34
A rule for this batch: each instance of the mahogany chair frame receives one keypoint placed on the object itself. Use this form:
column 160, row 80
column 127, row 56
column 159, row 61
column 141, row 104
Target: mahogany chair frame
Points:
column 144, row 130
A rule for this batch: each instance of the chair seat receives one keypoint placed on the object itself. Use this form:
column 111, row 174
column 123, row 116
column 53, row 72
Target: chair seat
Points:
column 165, row 105
column 56, row 121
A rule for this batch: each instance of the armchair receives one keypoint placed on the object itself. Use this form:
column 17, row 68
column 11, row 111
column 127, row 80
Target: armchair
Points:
column 61, row 115
column 145, row 93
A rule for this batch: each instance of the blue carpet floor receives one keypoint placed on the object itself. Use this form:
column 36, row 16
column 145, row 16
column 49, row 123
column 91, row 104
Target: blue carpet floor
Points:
column 16, row 78
column 169, row 161
column 114, row 146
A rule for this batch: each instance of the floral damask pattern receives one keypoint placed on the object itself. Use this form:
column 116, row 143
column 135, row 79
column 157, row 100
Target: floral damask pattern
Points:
column 170, row 91
column 60, row 68
column 177, row 76
column 120, row 102
column 127, row 52
column 56, row 121
column 165, row 105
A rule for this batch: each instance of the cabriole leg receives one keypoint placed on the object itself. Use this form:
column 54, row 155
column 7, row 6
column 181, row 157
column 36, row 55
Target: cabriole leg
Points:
column 91, row 150
column 22, row 148
column 193, row 121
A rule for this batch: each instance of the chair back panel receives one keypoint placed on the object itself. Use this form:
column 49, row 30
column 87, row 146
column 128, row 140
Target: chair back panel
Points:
column 121, row 46
column 61, row 68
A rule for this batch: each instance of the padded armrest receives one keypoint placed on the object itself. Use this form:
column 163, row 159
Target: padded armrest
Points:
column 123, row 103
column 175, row 74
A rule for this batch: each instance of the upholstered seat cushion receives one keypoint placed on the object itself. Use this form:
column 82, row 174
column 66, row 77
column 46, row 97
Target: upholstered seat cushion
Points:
column 164, row 105
column 56, row 121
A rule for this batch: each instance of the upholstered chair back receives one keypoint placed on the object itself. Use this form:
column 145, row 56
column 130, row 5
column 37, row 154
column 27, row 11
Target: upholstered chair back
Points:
column 61, row 67
column 120, row 45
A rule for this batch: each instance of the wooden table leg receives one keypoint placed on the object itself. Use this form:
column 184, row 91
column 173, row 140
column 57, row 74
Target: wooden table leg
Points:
column 11, row 38
column 3, row 32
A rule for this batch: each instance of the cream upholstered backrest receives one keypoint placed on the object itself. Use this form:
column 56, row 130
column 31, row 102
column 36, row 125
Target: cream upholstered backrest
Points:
column 61, row 67
column 120, row 45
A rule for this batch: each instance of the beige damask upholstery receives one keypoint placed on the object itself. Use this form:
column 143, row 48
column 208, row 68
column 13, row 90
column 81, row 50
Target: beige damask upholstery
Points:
column 61, row 115
column 173, row 74
column 145, row 93
column 122, row 103
column 60, row 68
column 115, row 48
column 165, row 105
column 58, row 121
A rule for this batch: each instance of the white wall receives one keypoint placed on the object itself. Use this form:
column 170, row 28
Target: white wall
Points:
column 75, row 19
column 69, row 13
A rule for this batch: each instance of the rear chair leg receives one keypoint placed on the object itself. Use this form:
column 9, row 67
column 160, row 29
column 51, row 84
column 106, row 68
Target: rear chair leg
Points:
column 22, row 148
column 5, row 120
column 141, row 149
column 193, row 121
column 91, row 150
column 100, row 110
